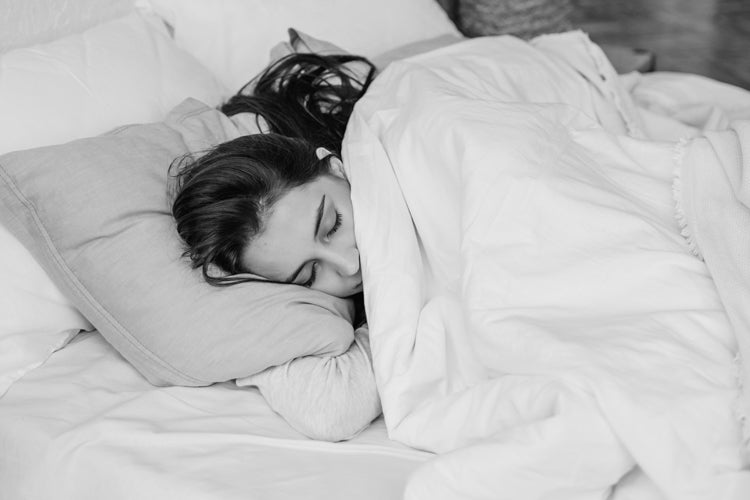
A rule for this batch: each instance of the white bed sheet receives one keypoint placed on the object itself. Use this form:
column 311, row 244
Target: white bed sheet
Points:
column 86, row 426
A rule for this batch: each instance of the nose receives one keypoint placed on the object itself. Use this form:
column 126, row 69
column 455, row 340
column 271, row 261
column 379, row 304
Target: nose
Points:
column 345, row 260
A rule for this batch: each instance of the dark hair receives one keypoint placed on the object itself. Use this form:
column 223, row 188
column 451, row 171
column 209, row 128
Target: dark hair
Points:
column 309, row 96
column 221, row 197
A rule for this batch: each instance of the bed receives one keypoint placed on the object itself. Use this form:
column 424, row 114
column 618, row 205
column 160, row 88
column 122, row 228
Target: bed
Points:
column 87, row 410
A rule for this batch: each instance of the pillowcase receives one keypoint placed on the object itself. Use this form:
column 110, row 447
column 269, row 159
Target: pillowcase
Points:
column 126, row 70
column 233, row 37
column 415, row 48
column 35, row 318
column 302, row 42
column 95, row 213
column 123, row 71
column 30, row 22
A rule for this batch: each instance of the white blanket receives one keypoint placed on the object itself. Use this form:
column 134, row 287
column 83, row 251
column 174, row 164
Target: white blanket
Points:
column 536, row 317
column 713, row 195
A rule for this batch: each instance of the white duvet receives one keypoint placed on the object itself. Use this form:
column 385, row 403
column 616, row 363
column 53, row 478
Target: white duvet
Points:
column 536, row 317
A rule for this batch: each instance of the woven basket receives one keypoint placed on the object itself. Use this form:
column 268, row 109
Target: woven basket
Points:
column 522, row 18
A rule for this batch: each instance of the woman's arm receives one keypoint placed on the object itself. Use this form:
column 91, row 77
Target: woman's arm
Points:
column 330, row 399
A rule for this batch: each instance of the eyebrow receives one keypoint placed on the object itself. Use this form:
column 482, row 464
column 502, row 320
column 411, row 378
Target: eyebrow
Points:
column 320, row 215
column 318, row 219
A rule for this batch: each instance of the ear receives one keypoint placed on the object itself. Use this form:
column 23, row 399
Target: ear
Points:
column 321, row 153
column 334, row 162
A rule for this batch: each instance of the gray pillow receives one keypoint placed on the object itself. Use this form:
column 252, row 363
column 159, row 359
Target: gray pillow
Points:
column 95, row 214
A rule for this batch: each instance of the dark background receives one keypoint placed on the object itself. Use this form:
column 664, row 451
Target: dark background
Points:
column 707, row 37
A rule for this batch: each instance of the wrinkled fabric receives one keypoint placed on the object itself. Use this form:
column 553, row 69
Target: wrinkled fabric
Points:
column 536, row 316
column 713, row 196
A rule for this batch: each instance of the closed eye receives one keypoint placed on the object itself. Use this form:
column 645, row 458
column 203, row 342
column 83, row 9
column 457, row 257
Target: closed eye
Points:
column 336, row 225
column 313, row 275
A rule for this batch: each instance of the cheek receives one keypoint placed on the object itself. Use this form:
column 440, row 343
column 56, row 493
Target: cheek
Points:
column 347, row 214
column 331, row 283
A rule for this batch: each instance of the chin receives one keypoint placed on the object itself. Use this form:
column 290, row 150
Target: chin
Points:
column 346, row 294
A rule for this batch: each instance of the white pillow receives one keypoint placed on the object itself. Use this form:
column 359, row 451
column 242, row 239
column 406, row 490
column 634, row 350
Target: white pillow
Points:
column 233, row 38
column 30, row 22
column 35, row 318
column 123, row 71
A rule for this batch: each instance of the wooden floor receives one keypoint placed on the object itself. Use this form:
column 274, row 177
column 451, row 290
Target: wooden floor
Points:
column 708, row 37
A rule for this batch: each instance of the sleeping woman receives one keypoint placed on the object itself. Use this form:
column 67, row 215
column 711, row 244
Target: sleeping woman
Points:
column 276, row 207
column 579, row 297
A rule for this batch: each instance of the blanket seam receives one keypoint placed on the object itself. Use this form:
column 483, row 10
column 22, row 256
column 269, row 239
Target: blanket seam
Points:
column 678, row 157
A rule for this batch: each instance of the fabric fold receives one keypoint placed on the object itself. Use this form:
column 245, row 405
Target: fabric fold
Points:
column 715, row 200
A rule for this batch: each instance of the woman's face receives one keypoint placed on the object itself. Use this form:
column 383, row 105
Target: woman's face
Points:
column 308, row 239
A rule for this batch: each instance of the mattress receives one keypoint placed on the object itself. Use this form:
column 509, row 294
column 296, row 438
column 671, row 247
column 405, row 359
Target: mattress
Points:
column 86, row 425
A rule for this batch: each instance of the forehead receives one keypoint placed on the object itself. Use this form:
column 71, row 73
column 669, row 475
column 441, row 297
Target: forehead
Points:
column 288, row 231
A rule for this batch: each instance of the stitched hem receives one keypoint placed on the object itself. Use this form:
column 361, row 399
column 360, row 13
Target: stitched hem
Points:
column 678, row 158
column 73, row 283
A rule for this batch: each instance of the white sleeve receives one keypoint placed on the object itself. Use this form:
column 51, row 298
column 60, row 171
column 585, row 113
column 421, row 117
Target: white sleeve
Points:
column 325, row 398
